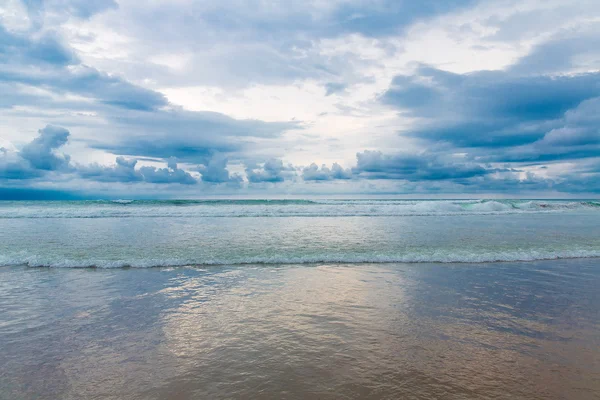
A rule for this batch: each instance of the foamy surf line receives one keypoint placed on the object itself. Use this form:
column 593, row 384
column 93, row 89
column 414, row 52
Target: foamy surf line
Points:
column 270, row 215
column 36, row 262
column 278, row 209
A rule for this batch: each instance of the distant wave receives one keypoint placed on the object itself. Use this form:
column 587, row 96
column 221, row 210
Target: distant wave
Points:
column 432, row 257
column 120, row 201
column 203, row 202
column 285, row 208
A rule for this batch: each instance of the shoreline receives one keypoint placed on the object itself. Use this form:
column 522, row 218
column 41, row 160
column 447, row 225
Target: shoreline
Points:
column 302, row 264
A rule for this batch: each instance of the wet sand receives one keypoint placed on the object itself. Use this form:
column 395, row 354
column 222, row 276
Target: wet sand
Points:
column 526, row 330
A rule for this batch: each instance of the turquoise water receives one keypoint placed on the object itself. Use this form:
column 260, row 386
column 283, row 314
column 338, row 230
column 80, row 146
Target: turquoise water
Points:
column 179, row 233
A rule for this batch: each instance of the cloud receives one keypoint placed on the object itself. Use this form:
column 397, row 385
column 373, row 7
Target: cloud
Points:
column 497, row 115
column 41, row 151
column 284, row 20
column 409, row 174
column 129, row 120
column 580, row 177
column 46, row 49
column 254, row 44
column 386, row 17
column 418, row 167
column 272, row 170
column 171, row 174
column 189, row 136
column 89, row 83
column 482, row 96
column 561, row 54
column 580, row 184
column 508, row 182
column 216, row 171
column 513, row 117
column 313, row 173
column 37, row 157
column 333, row 88
column 14, row 167
column 430, row 172
column 576, row 136
column 40, row 75
column 478, row 131
column 423, row 167
column 124, row 171
column 77, row 8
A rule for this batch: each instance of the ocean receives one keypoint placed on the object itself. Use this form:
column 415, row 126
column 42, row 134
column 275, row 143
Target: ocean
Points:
column 127, row 233
column 300, row 299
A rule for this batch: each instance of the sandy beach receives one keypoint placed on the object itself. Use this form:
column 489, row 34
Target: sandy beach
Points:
column 456, row 331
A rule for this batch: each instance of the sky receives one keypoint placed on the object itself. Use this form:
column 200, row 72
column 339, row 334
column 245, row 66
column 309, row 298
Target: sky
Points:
column 261, row 98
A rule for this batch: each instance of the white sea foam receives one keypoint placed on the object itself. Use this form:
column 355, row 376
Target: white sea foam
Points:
column 321, row 208
column 409, row 258
column 123, row 201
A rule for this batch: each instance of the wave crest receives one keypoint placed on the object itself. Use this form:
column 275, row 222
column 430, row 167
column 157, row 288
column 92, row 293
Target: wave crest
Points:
column 285, row 208
column 409, row 258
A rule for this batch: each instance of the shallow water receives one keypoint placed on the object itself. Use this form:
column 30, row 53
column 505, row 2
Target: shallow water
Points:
column 527, row 330
column 168, row 233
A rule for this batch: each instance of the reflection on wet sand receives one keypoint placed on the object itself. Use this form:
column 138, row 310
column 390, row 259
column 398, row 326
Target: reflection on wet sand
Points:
column 528, row 330
column 336, row 331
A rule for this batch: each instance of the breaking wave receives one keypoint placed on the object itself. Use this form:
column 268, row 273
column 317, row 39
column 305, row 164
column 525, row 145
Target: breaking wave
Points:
column 407, row 258
column 284, row 208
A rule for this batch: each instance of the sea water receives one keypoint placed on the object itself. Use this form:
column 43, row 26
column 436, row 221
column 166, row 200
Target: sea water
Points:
column 178, row 233
column 328, row 299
